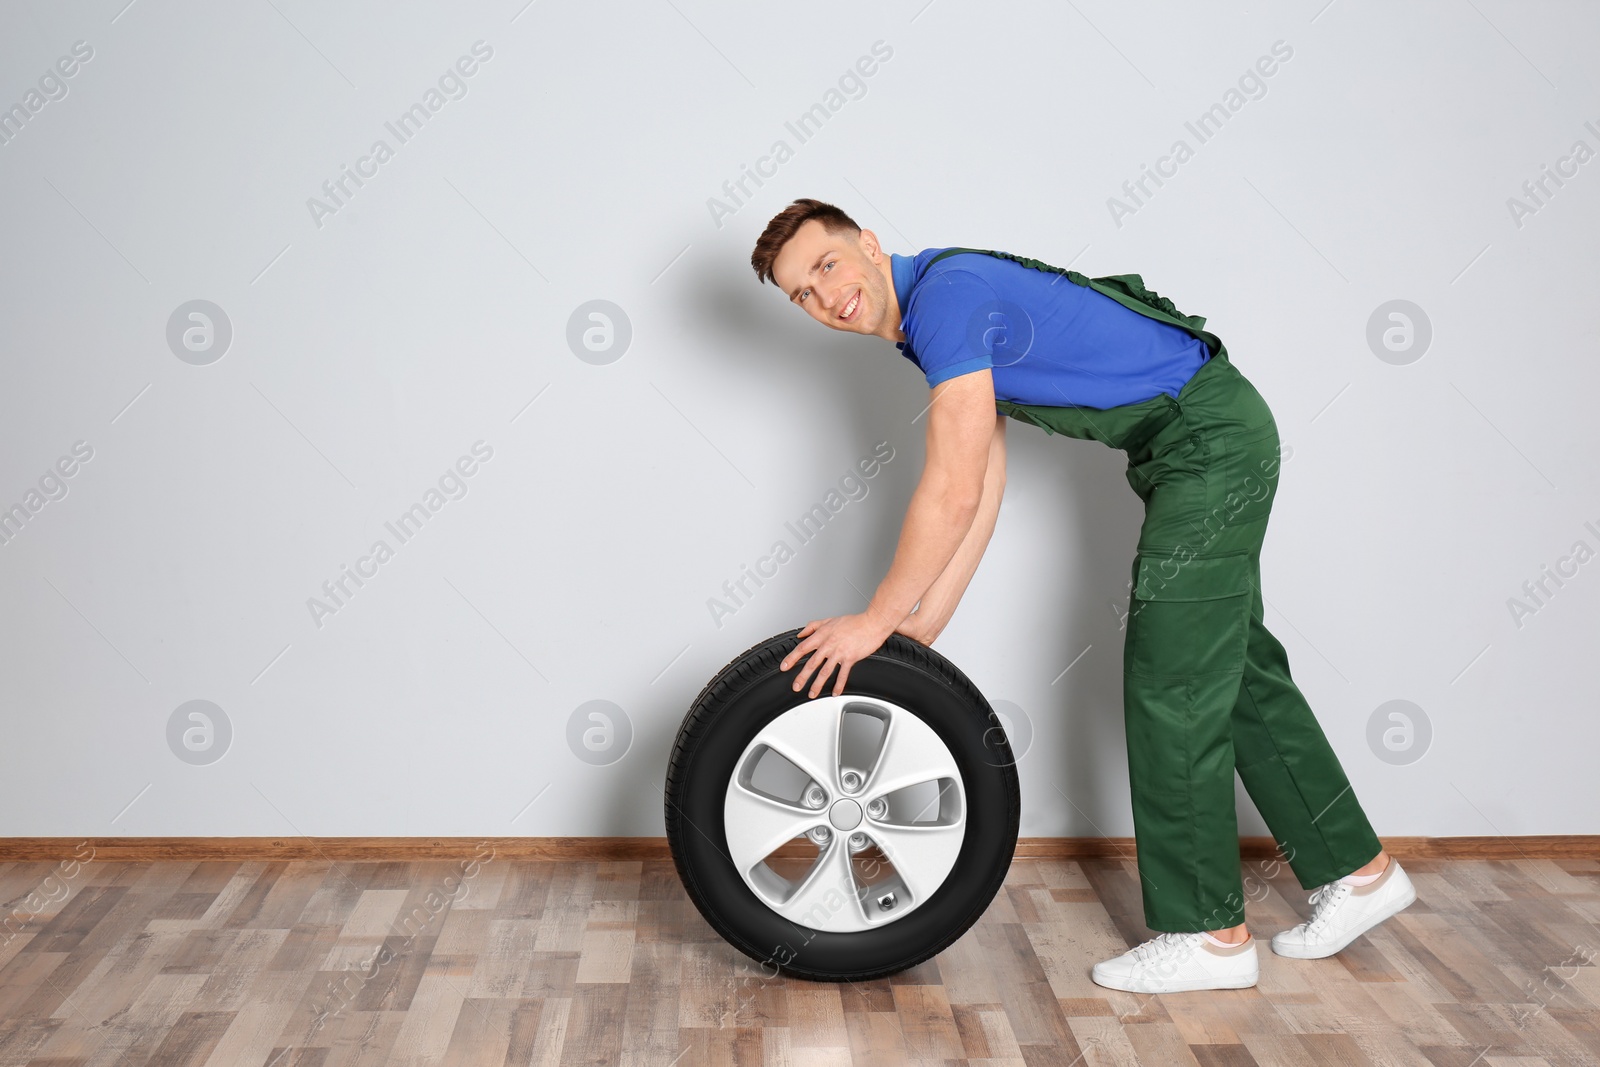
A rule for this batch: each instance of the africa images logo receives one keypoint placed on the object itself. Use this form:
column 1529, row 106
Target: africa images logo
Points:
column 852, row 85
column 852, row 486
column 452, row 85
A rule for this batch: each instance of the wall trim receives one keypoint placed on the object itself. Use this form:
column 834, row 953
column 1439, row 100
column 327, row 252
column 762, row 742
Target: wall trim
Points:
column 376, row 849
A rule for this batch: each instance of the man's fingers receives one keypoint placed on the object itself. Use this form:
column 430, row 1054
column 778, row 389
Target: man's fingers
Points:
column 805, row 670
column 798, row 650
column 822, row 677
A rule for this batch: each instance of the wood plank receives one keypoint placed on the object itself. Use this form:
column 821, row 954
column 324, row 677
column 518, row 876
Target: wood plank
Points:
column 191, row 1039
column 595, row 1023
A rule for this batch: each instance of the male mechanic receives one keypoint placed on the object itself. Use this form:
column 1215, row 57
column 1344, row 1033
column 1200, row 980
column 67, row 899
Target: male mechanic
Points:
column 1206, row 689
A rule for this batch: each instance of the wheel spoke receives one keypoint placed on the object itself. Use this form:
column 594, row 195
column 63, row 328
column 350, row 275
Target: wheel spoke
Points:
column 912, row 754
column 808, row 737
column 922, row 855
column 827, row 899
column 757, row 825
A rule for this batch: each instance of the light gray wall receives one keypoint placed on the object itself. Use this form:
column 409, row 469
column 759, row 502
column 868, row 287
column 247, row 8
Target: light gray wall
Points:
column 374, row 344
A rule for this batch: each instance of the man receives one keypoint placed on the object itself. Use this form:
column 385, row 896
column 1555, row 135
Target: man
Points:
column 1206, row 689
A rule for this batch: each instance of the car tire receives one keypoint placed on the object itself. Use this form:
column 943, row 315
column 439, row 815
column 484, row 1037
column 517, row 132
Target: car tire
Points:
column 866, row 875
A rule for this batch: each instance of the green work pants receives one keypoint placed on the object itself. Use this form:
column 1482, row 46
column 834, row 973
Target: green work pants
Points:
column 1206, row 687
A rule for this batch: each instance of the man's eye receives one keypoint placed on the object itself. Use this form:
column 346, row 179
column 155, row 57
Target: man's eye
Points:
column 828, row 264
column 803, row 294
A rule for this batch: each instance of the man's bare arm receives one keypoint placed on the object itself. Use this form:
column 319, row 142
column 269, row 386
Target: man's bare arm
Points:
column 948, row 496
column 939, row 602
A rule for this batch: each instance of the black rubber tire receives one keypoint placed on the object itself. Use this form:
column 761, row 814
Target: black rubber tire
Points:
column 749, row 693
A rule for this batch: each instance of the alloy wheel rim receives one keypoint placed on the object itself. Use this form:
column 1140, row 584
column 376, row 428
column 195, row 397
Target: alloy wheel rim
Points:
column 845, row 813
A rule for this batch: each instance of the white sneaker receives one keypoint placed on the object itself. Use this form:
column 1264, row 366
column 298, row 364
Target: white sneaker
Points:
column 1176, row 962
column 1344, row 912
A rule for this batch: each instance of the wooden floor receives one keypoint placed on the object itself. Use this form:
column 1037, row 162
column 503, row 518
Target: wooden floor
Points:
column 314, row 964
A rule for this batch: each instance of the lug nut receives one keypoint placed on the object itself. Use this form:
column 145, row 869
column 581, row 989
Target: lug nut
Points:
column 878, row 808
column 821, row 835
column 815, row 796
column 851, row 781
column 858, row 842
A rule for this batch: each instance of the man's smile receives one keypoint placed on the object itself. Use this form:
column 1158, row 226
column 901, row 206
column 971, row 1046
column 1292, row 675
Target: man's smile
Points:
column 848, row 313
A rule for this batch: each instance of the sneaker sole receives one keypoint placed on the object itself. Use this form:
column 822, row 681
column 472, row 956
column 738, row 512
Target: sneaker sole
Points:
column 1318, row 952
column 1189, row 986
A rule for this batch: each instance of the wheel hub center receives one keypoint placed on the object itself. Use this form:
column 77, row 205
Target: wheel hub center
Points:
column 845, row 815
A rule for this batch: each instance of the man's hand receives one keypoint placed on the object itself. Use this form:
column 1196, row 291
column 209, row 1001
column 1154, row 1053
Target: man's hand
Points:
column 842, row 641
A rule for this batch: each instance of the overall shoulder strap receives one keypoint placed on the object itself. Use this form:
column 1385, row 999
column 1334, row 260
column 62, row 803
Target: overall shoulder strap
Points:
column 1071, row 275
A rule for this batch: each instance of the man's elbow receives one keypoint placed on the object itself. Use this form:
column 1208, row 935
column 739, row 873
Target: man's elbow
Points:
column 957, row 493
column 961, row 502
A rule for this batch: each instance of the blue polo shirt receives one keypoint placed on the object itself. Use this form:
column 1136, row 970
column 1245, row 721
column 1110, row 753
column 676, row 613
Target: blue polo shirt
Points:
column 1045, row 339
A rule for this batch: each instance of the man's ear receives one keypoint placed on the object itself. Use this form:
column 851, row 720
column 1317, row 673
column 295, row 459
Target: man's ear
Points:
column 869, row 245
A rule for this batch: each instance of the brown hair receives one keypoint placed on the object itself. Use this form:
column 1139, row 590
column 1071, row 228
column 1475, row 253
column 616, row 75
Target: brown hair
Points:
column 786, row 222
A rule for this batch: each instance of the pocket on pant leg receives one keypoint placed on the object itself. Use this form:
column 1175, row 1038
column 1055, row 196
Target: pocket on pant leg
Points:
column 1250, row 461
column 1188, row 615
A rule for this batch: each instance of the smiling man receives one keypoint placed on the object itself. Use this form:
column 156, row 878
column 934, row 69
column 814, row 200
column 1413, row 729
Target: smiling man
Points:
column 1206, row 688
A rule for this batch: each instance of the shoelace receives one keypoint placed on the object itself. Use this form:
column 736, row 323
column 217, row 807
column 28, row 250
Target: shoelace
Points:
column 1161, row 945
column 1327, row 900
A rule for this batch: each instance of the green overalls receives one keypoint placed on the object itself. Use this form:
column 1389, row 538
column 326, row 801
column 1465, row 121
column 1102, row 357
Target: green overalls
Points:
column 1206, row 689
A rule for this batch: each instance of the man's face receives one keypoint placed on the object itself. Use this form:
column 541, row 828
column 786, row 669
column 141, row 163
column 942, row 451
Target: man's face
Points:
column 836, row 278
